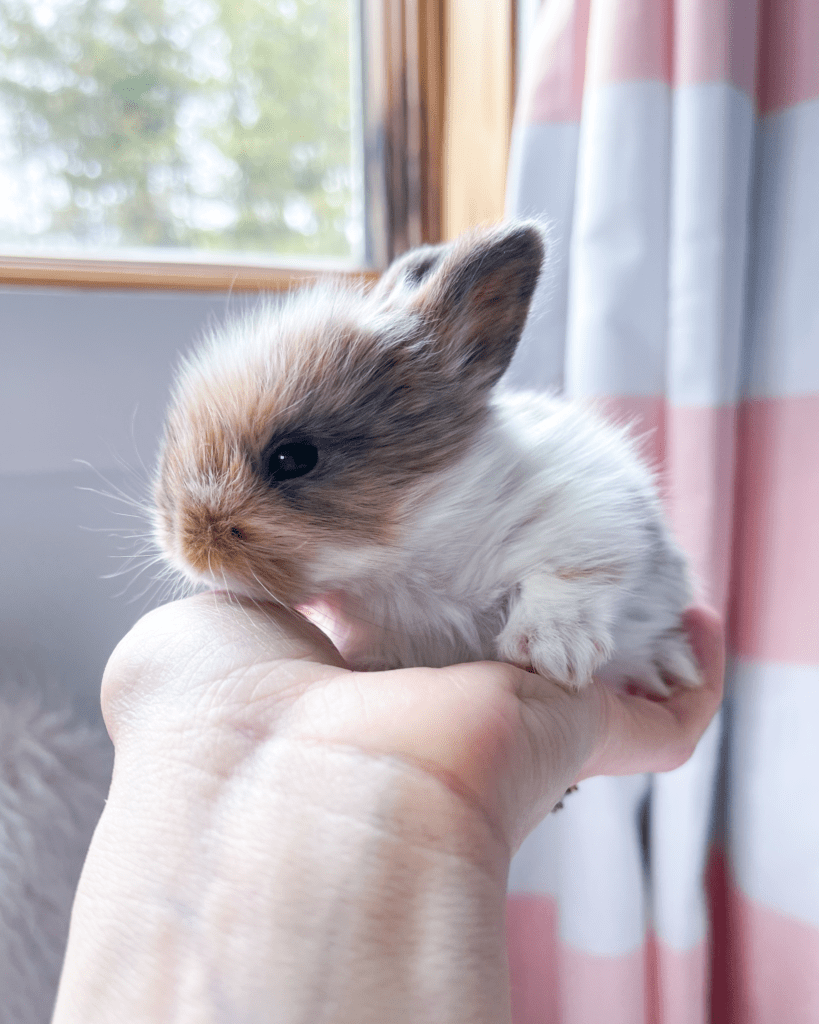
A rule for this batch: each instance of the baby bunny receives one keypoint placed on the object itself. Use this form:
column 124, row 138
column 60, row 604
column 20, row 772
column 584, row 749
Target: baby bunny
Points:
column 357, row 444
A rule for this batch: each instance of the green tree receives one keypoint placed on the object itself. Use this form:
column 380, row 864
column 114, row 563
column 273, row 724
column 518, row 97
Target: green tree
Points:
column 211, row 124
column 289, row 127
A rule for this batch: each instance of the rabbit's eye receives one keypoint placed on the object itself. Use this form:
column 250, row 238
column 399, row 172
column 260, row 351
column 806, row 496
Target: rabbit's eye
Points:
column 292, row 460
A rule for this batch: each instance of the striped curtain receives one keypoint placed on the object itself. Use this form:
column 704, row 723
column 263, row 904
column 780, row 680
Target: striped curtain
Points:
column 673, row 146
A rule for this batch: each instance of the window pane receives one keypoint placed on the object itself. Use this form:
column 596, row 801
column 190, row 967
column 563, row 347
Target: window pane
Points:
column 223, row 126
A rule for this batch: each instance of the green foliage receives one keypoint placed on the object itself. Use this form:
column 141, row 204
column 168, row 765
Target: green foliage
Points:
column 222, row 125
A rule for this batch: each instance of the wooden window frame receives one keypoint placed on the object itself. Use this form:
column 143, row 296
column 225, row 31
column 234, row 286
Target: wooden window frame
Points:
column 437, row 123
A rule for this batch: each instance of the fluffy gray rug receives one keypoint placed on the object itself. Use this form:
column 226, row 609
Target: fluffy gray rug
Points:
column 54, row 775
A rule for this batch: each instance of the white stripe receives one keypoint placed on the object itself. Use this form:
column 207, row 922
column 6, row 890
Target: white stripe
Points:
column 619, row 262
column 784, row 277
column 534, row 867
column 681, row 826
column 773, row 826
column 711, row 166
column 541, row 185
column 589, row 856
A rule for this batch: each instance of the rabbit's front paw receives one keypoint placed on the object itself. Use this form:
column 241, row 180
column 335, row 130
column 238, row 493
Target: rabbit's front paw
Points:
column 557, row 633
column 558, row 651
column 674, row 660
column 670, row 664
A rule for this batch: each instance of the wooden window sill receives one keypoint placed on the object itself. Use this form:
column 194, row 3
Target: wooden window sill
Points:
column 171, row 275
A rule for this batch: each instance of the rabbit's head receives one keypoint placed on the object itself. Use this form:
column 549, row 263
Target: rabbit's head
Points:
column 298, row 437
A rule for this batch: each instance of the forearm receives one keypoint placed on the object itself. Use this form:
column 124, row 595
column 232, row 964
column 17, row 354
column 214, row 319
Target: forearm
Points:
column 302, row 885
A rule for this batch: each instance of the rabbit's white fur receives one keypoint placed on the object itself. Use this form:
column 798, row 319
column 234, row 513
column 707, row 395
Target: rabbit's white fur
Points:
column 481, row 571
column 451, row 520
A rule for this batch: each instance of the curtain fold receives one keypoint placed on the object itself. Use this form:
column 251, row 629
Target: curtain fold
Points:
column 673, row 148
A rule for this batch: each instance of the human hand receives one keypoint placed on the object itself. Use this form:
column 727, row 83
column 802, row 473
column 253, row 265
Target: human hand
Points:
column 507, row 741
column 284, row 835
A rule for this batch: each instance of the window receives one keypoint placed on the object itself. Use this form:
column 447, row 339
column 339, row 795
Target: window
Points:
column 204, row 143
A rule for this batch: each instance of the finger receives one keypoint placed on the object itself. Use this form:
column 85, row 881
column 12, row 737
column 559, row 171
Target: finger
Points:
column 642, row 735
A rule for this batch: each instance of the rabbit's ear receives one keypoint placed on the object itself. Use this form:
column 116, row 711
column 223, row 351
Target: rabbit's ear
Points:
column 476, row 297
column 404, row 275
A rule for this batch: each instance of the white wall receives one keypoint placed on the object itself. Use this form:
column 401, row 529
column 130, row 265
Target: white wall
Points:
column 83, row 375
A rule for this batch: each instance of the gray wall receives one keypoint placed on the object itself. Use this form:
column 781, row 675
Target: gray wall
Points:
column 83, row 376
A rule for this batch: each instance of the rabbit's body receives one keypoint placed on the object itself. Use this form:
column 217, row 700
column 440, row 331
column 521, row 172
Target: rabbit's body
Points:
column 357, row 445
column 491, row 561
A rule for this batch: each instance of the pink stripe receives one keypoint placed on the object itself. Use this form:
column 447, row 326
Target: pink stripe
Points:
column 681, row 984
column 560, row 60
column 777, row 968
column 554, row 983
column 690, row 42
column 532, row 938
column 630, row 40
column 693, row 450
column 765, row 969
column 646, row 417
column 789, row 53
column 766, row 964
column 687, row 42
column 715, row 40
column 655, row 984
column 600, row 989
column 700, row 444
column 776, row 550
column 773, row 504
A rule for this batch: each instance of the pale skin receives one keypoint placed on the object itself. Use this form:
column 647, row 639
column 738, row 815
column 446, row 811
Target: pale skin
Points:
column 289, row 841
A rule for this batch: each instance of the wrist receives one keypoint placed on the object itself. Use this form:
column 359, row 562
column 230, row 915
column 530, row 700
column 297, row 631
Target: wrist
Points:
column 250, row 884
